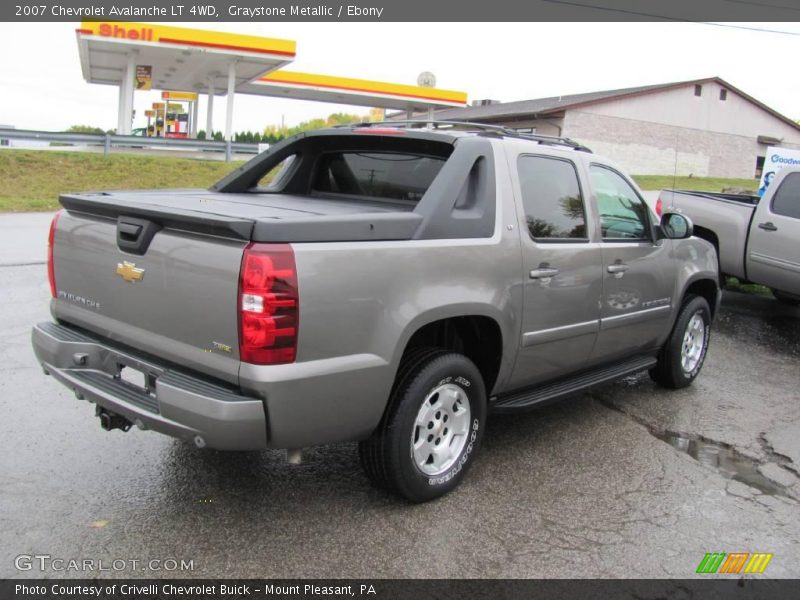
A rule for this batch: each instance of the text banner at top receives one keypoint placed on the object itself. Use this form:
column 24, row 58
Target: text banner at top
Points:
column 402, row 10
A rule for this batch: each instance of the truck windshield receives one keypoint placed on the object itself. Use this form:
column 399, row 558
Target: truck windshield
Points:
column 389, row 175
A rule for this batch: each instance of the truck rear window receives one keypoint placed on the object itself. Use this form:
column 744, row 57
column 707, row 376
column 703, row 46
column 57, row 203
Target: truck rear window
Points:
column 388, row 175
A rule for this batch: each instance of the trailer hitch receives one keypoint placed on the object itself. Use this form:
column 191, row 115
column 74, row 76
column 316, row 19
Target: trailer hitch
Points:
column 110, row 420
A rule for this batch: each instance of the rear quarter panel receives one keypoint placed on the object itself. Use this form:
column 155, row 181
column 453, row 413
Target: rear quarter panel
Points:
column 360, row 303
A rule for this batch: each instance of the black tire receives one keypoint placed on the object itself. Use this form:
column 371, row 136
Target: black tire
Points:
column 387, row 456
column 669, row 371
column 785, row 298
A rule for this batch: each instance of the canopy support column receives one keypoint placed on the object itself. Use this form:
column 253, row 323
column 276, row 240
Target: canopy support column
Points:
column 210, row 108
column 194, row 116
column 229, row 102
column 121, row 109
column 125, row 116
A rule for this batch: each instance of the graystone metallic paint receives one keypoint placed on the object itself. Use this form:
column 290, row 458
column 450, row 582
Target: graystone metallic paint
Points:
column 360, row 303
column 185, row 302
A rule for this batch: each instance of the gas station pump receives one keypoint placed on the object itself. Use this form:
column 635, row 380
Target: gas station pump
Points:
column 178, row 122
column 172, row 119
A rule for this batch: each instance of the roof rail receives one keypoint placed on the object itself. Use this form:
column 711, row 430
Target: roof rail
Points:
column 499, row 130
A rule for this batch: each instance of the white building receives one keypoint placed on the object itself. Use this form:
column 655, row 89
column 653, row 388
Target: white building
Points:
column 704, row 127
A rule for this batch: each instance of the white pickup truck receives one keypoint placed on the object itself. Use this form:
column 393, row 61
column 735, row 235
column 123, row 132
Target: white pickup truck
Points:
column 757, row 240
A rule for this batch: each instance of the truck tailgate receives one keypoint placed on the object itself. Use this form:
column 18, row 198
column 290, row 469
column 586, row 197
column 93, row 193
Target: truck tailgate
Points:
column 176, row 301
column 176, row 297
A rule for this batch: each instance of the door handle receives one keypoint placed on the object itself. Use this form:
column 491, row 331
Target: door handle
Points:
column 768, row 226
column 544, row 273
column 617, row 269
column 128, row 231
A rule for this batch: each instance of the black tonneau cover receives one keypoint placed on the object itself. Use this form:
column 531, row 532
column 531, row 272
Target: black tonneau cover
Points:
column 459, row 203
column 259, row 217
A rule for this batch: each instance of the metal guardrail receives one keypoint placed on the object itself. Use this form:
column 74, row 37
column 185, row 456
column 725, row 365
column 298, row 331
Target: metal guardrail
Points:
column 109, row 141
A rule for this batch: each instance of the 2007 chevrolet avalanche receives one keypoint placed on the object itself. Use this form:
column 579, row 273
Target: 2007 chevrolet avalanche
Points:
column 388, row 283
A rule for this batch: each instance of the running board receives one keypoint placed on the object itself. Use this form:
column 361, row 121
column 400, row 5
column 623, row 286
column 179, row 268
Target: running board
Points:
column 531, row 397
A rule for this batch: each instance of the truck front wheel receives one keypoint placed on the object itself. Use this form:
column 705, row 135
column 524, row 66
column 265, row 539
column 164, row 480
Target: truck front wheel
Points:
column 430, row 434
column 682, row 356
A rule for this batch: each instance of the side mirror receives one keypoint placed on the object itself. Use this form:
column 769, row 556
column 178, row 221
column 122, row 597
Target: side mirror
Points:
column 676, row 226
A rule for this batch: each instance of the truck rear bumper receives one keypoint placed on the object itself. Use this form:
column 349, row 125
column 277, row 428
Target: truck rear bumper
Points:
column 174, row 403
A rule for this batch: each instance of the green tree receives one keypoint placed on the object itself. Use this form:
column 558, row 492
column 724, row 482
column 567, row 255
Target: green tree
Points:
column 344, row 119
column 85, row 129
column 275, row 133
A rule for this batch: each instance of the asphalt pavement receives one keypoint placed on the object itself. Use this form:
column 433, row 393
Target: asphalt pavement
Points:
column 627, row 480
column 23, row 238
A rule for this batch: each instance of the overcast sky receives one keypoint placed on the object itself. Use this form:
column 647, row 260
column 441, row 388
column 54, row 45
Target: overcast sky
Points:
column 41, row 86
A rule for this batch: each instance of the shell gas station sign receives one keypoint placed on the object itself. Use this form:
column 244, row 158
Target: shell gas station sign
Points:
column 164, row 34
column 211, row 61
column 185, row 96
column 190, row 61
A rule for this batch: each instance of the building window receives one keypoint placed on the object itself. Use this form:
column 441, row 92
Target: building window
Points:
column 698, row 90
column 723, row 94
column 759, row 166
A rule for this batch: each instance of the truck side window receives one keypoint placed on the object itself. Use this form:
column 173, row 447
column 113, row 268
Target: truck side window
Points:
column 551, row 197
column 387, row 175
column 787, row 199
column 623, row 214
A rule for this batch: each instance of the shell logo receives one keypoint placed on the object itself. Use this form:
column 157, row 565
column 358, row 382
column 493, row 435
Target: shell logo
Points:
column 129, row 33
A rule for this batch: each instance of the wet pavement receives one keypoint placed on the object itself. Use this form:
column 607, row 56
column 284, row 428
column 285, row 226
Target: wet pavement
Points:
column 23, row 238
column 628, row 480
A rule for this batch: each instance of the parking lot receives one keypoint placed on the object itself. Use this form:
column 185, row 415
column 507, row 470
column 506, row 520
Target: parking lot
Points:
column 627, row 480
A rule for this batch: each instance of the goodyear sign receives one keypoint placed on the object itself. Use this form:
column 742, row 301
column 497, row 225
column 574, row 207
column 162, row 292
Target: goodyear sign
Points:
column 775, row 159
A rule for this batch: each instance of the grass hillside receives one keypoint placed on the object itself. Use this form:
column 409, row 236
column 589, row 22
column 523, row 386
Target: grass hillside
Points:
column 697, row 184
column 32, row 179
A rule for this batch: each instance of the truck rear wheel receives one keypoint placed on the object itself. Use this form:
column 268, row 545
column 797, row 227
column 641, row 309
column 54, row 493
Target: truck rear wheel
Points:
column 682, row 356
column 430, row 434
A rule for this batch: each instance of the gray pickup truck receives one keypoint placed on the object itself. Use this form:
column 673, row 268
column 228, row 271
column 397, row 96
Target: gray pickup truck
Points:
column 389, row 284
column 756, row 238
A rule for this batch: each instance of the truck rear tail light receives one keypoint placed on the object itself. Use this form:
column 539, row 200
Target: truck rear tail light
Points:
column 51, row 240
column 268, row 305
column 659, row 207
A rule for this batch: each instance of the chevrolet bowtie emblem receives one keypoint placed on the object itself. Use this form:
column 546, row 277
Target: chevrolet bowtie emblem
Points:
column 129, row 272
